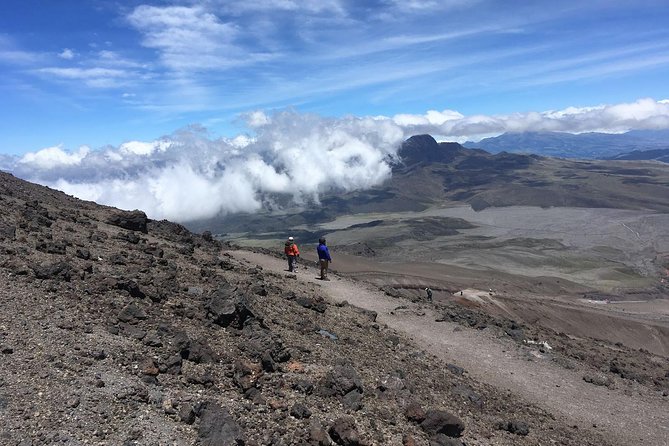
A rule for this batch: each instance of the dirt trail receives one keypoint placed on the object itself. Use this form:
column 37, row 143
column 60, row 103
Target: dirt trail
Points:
column 627, row 417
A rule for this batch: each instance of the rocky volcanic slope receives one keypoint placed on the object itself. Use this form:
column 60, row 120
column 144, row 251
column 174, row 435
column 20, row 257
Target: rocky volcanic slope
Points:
column 119, row 330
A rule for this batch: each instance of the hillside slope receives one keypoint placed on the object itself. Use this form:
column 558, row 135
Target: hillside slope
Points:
column 117, row 329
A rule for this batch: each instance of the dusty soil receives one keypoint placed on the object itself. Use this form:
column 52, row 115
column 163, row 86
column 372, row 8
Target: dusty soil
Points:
column 553, row 378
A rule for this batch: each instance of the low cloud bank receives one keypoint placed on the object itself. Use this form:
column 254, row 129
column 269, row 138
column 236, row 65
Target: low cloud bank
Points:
column 643, row 114
column 189, row 176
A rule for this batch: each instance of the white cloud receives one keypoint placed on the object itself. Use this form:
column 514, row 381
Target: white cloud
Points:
column 67, row 54
column 309, row 6
column 54, row 157
column 432, row 117
column 187, row 37
column 93, row 77
column 189, row 175
column 144, row 148
column 642, row 114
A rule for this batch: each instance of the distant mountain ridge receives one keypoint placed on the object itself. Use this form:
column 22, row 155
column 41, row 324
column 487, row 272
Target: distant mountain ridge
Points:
column 583, row 145
column 647, row 155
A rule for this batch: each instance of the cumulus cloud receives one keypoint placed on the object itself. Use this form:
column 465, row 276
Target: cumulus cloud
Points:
column 189, row 176
column 618, row 118
column 54, row 157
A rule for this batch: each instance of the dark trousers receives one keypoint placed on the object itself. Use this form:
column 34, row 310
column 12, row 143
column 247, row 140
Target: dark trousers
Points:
column 292, row 263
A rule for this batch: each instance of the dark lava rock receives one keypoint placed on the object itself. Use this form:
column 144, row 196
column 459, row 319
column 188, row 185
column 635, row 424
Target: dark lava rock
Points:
column 352, row 400
column 454, row 369
column 132, row 220
column 7, row 232
column 155, row 251
column 131, row 313
column 441, row 422
column 187, row 414
column 467, row 393
column 341, row 380
column 344, row 432
column 515, row 427
column 199, row 352
column 172, row 365
column 228, row 307
column 58, row 271
column 303, row 386
column 414, row 412
column 54, row 247
column 318, row 436
column 517, row 334
column 246, row 374
column 598, row 380
column 131, row 287
column 300, row 411
column 129, row 237
column 316, row 304
column 218, row 428
column 83, row 253
column 267, row 362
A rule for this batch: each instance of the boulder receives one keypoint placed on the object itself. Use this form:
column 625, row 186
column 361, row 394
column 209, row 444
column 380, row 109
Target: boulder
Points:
column 352, row 400
column 340, row 380
column 131, row 313
column 300, row 411
column 57, row 271
column 131, row 220
column 515, row 427
column 414, row 412
column 318, row 436
column 217, row 427
column 317, row 304
column 131, row 287
column 228, row 307
column 441, row 422
column 344, row 432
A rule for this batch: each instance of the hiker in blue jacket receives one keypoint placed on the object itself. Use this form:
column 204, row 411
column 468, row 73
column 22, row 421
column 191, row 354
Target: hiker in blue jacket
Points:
column 323, row 258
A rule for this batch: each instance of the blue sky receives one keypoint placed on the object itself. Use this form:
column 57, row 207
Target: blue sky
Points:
column 105, row 72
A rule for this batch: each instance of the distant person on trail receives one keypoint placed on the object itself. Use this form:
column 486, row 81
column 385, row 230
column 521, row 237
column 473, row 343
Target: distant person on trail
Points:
column 323, row 258
column 292, row 253
column 429, row 294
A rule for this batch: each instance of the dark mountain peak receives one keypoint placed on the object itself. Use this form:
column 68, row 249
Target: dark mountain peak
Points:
column 425, row 149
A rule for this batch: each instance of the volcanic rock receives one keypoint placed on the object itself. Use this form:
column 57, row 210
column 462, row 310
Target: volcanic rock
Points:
column 132, row 220
column 228, row 307
column 515, row 427
column 441, row 422
column 345, row 432
column 218, row 428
